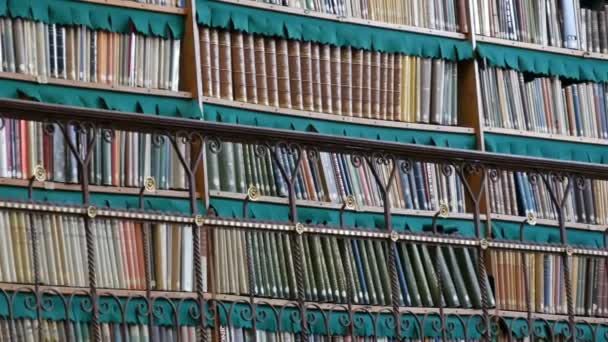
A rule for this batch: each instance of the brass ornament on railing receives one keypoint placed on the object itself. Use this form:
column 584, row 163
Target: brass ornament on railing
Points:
column 92, row 211
column 484, row 244
column 350, row 202
column 569, row 250
column 531, row 219
column 253, row 193
column 199, row 220
column 299, row 229
column 150, row 184
column 39, row 173
column 444, row 210
column 395, row 236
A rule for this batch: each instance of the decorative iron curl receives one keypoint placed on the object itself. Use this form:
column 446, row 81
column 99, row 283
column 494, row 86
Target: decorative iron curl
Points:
column 409, row 321
column 213, row 312
column 108, row 134
column 543, row 328
column 193, row 311
column 312, row 153
column 142, row 309
column 48, row 305
column 262, row 316
column 472, row 168
column 581, row 182
column 213, row 143
column 105, row 307
column 30, row 303
column 49, row 127
column 294, row 317
column 435, row 322
column 359, row 320
column 523, row 330
column 533, row 178
column 389, row 322
column 494, row 175
column 158, row 311
column 580, row 331
column 565, row 330
column 558, row 177
column 246, row 314
column 447, row 169
column 356, row 160
column 405, row 166
column 158, row 139
column 312, row 319
column 481, row 326
column 260, row 150
column 451, row 326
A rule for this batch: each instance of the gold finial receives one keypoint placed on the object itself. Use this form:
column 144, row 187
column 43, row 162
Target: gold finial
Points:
column 198, row 220
column 484, row 244
column 40, row 173
column 350, row 203
column 150, row 184
column 531, row 218
column 569, row 250
column 394, row 236
column 444, row 210
column 300, row 229
column 92, row 211
column 253, row 193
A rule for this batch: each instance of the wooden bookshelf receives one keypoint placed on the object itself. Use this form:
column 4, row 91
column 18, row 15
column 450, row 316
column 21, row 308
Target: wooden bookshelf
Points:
column 95, row 86
column 546, row 136
column 337, row 118
column 71, row 290
column 551, row 223
column 139, row 5
column 343, row 19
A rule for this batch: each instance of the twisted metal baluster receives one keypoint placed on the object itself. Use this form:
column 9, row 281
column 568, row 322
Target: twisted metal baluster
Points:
column 439, row 271
column 567, row 256
column 250, row 270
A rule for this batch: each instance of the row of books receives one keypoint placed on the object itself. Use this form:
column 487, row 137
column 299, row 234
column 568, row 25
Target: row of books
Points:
column 517, row 194
column 26, row 330
column 434, row 14
column 327, row 277
column 81, row 54
column 169, row 3
column 119, row 252
column 560, row 23
column 511, row 99
column 328, row 79
column 331, row 177
column 546, row 283
column 122, row 159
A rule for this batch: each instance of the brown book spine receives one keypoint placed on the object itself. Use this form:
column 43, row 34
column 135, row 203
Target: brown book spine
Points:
column 376, row 97
column 283, row 74
column 295, row 74
column 238, row 66
column 206, row 61
column 325, row 61
column 336, row 83
column 215, row 62
column 260, row 70
column 462, row 16
column 366, row 88
column 225, row 65
column 271, row 72
column 347, row 86
column 390, row 87
column 250, row 68
column 317, row 92
column 308, row 96
column 397, row 88
column 357, row 82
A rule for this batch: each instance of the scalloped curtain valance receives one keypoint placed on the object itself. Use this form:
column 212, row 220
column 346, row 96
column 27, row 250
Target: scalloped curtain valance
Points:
column 101, row 99
column 96, row 16
column 232, row 115
column 544, row 63
column 271, row 23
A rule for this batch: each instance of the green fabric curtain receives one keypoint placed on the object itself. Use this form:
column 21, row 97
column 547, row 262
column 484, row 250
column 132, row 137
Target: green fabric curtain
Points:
column 270, row 23
column 96, row 16
column 100, row 99
column 101, row 200
column 544, row 63
column 542, row 148
column 264, row 119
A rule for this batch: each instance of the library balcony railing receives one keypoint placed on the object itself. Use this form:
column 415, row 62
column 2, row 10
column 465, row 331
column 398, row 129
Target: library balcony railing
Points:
column 192, row 297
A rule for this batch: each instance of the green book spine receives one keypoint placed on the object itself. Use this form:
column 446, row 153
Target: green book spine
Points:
column 213, row 172
column 455, row 271
column 315, row 290
column 410, row 279
column 276, row 266
column 248, row 172
column 271, row 175
column 259, row 169
column 254, row 267
column 419, row 272
column 380, row 247
column 261, row 276
column 322, row 266
column 431, row 275
column 255, row 179
column 282, row 259
column 374, row 296
column 227, row 167
column 348, row 256
column 449, row 289
column 269, row 265
column 332, row 271
column 263, row 169
column 291, row 272
column 239, row 160
column 341, row 275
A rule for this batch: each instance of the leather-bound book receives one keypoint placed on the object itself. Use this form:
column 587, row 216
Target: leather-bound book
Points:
column 214, row 53
column 271, row 72
column 397, row 80
column 238, row 66
column 325, row 62
column 307, row 76
column 260, row 70
column 347, row 83
column 376, row 87
column 462, row 16
column 357, row 82
column 250, row 68
column 317, row 92
column 425, row 86
column 295, row 74
column 336, row 76
column 284, row 88
column 225, row 65
column 390, row 86
column 366, row 88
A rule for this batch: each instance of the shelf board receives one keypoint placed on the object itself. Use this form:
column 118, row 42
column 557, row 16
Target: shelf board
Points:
column 538, row 47
column 342, row 19
column 139, row 5
column 551, row 223
column 71, row 290
column 337, row 118
column 93, row 85
column 338, row 206
column 94, row 188
column 549, row 136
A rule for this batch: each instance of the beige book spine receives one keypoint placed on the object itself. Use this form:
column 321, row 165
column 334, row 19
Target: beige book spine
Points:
column 336, row 77
column 295, row 74
column 376, row 85
column 366, row 88
column 238, row 66
column 284, row 87
column 271, row 72
column 325, row 62
column 398, row 80
column 317, row 88
column 250, row 69
column 357, row 82
column 206, row 61
column 260, row 70
column 225, row 65
column 390, row 82
column 214, row 52
column 308, row 96
column 347, row 82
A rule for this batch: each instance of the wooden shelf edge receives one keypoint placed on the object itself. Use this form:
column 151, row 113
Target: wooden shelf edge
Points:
column 94, row 188
column 547, row 136
column 342, row 19
column 337, row 206
column 71, row 290
column 139, row 5
column 552, row 223
column 97, row 86
column 337, row 118
column 544, row 48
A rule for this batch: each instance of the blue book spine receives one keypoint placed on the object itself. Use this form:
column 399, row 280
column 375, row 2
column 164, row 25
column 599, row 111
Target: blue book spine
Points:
column 360, row 271
column 405, row 297
column 419, row 177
